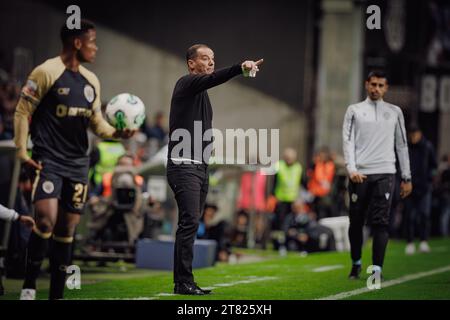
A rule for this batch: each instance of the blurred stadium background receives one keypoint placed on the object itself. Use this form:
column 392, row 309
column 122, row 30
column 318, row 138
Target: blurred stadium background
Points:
column 317, row 54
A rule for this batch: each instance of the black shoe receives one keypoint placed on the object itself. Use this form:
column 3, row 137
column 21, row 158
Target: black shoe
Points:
column 356, row 270
column 188, row 288
column 205, row 291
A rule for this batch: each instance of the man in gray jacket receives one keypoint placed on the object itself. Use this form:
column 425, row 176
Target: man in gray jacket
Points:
column 373, row 132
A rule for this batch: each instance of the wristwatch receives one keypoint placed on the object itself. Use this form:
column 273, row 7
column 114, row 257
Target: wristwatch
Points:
column 406, row 180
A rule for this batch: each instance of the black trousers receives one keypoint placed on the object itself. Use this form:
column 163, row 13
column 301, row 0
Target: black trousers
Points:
column 370, row 203
column 282, row 209
column 189, row 182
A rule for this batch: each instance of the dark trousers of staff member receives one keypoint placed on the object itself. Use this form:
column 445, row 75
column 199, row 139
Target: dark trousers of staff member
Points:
column 189, row 182
column 370, row 203
column 417, row 214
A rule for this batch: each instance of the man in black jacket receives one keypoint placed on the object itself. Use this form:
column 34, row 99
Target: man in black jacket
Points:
column 418, row 206
column 187, row 164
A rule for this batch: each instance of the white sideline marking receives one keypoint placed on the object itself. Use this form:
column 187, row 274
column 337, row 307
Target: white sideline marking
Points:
column 165, row 294
column 251, row 280
column 328, row 268
column 137, row 298
column 222, row 285
column 389, row 283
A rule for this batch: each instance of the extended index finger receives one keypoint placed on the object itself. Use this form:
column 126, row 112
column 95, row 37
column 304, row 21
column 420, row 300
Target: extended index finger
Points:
column 260, row 61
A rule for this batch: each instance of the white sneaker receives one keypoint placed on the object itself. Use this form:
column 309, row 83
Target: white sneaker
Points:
column 410, row 249
column 28, row 294
column 424, row 247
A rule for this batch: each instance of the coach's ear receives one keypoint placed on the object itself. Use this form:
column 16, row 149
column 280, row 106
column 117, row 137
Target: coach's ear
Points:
column 191, row 64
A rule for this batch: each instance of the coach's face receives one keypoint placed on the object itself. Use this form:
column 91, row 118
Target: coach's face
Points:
column 376, row 88
column 203, row 63
column 87, row 46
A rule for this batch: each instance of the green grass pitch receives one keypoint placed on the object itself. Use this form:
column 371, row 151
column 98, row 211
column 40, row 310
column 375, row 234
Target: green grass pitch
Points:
column 270, row 277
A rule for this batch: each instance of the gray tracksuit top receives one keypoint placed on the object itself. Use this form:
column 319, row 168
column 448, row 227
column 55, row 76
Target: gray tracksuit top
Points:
column 8, row 214
column 372, row 132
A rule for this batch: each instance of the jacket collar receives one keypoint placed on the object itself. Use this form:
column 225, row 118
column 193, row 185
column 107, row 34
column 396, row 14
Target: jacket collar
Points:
column 374, row 103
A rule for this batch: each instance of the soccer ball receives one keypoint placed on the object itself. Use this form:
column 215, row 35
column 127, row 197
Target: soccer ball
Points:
column 125, row 111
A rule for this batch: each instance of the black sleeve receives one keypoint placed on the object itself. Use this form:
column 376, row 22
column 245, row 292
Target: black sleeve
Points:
column 195, row 83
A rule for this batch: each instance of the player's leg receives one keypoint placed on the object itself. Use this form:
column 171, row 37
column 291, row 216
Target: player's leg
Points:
column 45, row 193
column 393, row 230
column 379, row 209
column 45, row 216
column 73, row 197
column 61, row 253
column 358, row 193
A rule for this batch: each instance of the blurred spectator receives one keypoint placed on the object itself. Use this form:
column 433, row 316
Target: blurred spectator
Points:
column 320, row 179
column 156, row 136
column 158, row 130
column 444, row 188
column 3, row 136
column 9, row 96
column 19, row 234
column 153, row 219
column 339, row 186
column 252, row 197
column 418, row 205
column 117, row 206
column 303, row 233
column 103, row 159
column 104, row 188
column 213, row 230
column 239, row 238
column 286, row 186
column 4, row 77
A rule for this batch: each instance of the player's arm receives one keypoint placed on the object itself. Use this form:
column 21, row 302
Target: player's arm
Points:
column 348, row 138
column 199, row 82
column 104, row 130
column 35, row 89
column 99, row 125
column 401, row 148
